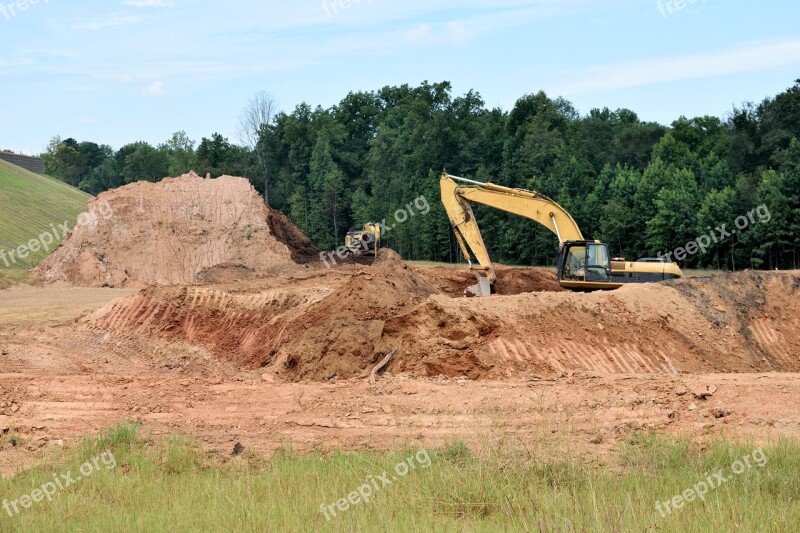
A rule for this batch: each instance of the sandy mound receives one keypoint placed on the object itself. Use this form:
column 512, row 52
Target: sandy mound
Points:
column 167, row 233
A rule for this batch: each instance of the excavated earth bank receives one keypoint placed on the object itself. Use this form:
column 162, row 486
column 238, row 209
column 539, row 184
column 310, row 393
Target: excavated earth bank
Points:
column 340, row 324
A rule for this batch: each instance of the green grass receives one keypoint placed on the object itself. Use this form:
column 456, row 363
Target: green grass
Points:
column 169, row 485
column 29, row 204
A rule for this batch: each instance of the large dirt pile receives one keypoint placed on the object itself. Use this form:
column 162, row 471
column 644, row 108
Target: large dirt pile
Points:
column 167, row 233
column 340, row 323
column 341, row 335
column 308, row 332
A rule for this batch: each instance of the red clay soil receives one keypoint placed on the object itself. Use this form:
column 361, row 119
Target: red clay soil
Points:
column 300, row 247
column 510, row 281
column 580, row 371
column 320, row 332
column 341, row 335
column 581, row 417
column 168, row 233
column 64, row 377
column 340, row 323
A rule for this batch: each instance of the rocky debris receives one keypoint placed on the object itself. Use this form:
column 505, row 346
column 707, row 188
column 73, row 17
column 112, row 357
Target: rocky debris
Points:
column 238, row 449
column 5, row 424
column 704, row 392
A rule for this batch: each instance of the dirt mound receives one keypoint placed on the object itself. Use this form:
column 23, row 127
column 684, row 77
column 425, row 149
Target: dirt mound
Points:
column 341, row 323
column 237, row 328
column 758, row 307
column 304, row 333
column 340, row 336
column 167, row 233
column 453, row 280
column 511, row 281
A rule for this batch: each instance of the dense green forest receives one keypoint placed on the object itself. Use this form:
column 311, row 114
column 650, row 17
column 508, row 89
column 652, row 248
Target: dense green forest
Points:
column 640, row 186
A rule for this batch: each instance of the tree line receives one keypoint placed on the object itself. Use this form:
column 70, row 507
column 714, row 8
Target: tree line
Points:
column 639, row 186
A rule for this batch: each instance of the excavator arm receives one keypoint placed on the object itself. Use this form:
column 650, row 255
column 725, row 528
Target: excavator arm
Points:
column 459, row 193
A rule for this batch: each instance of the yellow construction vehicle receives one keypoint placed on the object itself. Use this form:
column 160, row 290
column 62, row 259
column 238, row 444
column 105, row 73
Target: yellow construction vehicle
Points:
column 582, row 265
column 365, row 242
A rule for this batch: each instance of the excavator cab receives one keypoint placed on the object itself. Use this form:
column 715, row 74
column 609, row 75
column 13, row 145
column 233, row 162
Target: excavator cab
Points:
column 584, row 265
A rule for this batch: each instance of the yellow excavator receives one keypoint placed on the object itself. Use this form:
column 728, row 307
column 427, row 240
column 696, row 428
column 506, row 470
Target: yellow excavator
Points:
column 365, row 242
column 582, row 265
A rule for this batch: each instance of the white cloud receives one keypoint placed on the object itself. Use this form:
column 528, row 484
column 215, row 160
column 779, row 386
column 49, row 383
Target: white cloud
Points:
column 113, row 20
column 5, row 63
column 154, row 89
column 742, row 58
column 450, row 33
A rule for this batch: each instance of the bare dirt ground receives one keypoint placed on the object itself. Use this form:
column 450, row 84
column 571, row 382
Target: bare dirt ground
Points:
column 75, row 361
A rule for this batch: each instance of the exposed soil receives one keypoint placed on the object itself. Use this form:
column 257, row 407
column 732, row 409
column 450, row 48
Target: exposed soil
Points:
column 300, row 247
column 339, row 325
column 510, row 281
column 531, row 368
column 580, row 416
column 170, row 232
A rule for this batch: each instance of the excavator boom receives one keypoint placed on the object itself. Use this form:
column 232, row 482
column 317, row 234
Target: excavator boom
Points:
column 528, row 204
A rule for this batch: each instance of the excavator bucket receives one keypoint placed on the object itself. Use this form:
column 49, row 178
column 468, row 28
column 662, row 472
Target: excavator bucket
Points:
column 482, row 289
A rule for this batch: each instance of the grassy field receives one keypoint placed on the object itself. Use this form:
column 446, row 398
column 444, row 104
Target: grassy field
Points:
column 135, row 483
column 29, row 204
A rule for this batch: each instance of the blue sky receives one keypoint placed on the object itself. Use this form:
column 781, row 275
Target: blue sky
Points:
column 119, row 71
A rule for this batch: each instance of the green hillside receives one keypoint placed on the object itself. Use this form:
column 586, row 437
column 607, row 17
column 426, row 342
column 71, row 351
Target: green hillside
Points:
column 29, row 206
